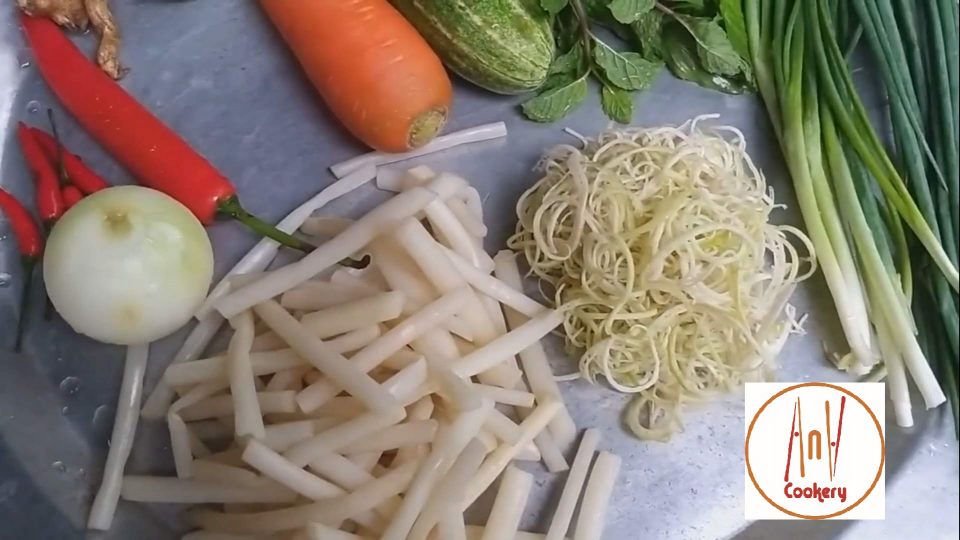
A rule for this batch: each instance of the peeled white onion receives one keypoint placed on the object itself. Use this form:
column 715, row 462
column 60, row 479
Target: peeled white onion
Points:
column 127, row 265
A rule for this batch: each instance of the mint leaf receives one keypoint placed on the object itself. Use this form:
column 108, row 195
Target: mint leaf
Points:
column 647, row 31
column 627, row 11
column 556, row 103
column 568, row 62
column 714, row 48
column 731, row 11
column 695, row 6
column 617, row 104
column 628, row 70
column 553, row 6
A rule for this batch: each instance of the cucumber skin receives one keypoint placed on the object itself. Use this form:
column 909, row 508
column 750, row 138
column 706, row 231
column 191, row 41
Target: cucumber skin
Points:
column 505, row 46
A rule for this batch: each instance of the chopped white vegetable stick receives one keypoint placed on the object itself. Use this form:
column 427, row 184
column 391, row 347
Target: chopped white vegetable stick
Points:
column 527, row 453
column 446, row 496
column 429, row 255
column 198, row 393
column 356, row 314
column 121, row 438
column 275, row 466
column 319, row 531
column 180, row 445
column 409, row 384
column 218, row 473
column 208, row 430
column 508, row 345
column 386, row 345
column 439, row 350
column 318, row 353
column 341, row 471
column 284, row 401
column 517, row 398
column 396, row 179
column 488, row 440
column 393, row 437
column 484, row 132
column 343, row 434
column 495, row 312
column 161, row 489
column 596, row 497
column 451, row 440
column 455, row 237
column 262, row 363
column 242, row 280
column 451, row 527
column 337, row 320
column 157, row 403
column 502, row 427
column 315, row 295
column 383, row 218
column 325, row 226
column 262, row 254
column 500, row 458
column 401, row 359
column 231, row 456
column 330, row 512
column 509, row 504
column 534, row 359
column 280, row 437
column 495, row 287
column 474, row 202
column 468, row 219
column 341, row 407
column 367, row 460
column 458, row 327
column 352, row 277
column 288, row 379
column 422, row 409
column 349, row 475
column 248, row 420
column 563, row 514
column 475, row 532
column 550, row 453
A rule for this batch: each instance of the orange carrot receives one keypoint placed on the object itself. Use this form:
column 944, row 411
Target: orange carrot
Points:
column 375, row 72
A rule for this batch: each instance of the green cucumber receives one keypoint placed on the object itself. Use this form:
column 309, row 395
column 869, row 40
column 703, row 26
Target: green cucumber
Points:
column 505, row 46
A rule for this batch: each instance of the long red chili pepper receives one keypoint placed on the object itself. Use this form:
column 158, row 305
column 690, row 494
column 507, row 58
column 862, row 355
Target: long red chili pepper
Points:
column 156, row 155
column 30, row 243
column 49, row 201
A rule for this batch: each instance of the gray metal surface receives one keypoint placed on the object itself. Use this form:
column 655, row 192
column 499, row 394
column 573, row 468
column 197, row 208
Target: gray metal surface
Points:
column 217, row 73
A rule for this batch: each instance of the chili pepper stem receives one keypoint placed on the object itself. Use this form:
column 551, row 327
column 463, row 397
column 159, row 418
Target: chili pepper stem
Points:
column 231, row 208
column 28, row 265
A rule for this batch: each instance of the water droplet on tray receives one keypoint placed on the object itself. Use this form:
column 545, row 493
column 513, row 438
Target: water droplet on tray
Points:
column 59, row 466
column 70, row 385
column 65, row 410
column 33, row 107
column 101, row 415
column 5, row 280
column 24, row 64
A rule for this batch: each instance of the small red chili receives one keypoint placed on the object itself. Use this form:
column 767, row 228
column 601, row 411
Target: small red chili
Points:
column 49, row 201
column 78, row 173
column 30, row 244
column 71, row 196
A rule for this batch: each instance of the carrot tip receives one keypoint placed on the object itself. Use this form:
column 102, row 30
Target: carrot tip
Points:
column 426, row 126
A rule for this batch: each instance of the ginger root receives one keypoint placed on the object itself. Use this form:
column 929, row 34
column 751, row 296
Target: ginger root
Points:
column 76, row 15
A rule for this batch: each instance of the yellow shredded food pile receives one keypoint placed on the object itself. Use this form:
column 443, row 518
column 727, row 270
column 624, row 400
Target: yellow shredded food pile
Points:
column 659, row 244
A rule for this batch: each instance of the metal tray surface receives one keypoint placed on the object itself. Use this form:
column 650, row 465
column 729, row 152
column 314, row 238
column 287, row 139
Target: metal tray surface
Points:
column 216, row 72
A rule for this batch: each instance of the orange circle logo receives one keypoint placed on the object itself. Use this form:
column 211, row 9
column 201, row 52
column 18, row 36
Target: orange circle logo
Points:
column 815, row 450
